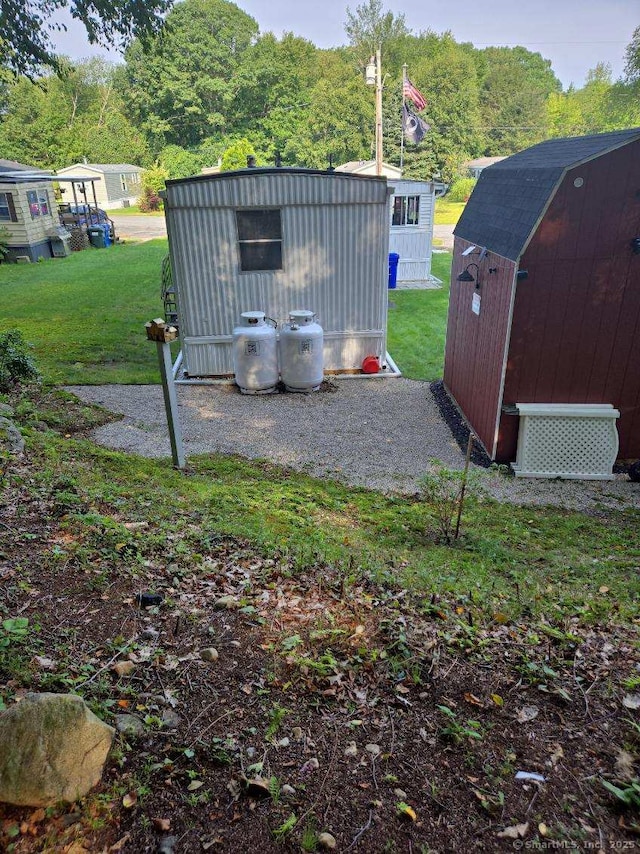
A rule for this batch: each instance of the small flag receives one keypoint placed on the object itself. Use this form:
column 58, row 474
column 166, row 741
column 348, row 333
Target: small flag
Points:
column 409, row 91
column 413, row 126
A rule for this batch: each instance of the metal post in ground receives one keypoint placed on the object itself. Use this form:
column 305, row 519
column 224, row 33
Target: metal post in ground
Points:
column 163, row 335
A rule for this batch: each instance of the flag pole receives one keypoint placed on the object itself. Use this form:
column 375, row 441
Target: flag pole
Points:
column 404, row 77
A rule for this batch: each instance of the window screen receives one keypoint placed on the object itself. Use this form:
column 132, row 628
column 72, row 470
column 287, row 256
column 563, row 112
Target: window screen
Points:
column 260, row 240
column 406, row 210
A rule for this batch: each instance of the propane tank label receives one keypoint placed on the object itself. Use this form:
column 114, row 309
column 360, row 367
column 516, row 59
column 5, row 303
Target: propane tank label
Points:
column 306, row 345
column 252, row 348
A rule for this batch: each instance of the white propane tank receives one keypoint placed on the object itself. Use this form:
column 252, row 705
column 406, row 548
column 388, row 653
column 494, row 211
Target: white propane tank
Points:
column 255, row 354
column 301, row 357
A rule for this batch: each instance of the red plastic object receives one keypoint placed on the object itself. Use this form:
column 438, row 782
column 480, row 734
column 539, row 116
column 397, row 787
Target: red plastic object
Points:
column 370, row 365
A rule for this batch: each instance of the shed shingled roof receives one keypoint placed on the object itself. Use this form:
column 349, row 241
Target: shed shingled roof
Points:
column 510, row 196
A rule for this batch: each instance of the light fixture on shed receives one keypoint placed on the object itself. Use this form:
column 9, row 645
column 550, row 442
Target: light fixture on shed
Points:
column 467, row 276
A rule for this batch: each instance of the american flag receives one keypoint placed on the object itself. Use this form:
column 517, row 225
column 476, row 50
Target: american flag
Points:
column 409, row 91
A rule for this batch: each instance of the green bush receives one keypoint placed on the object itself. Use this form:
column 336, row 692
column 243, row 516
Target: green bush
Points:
column 4, row 243
column 153, row 180
column 461, row 189
column 16, row 365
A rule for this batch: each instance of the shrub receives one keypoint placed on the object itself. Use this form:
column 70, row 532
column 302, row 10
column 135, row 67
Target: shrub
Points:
column 153, row 180
column 461, row 189
column 16, row 365
column 4, row 243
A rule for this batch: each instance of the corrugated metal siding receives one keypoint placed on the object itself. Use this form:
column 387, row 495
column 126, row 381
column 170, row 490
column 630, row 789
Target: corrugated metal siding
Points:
column 335, row 246
column 476, row 344
column 576, row 324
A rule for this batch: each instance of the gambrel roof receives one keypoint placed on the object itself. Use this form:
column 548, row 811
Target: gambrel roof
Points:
column 511, row 196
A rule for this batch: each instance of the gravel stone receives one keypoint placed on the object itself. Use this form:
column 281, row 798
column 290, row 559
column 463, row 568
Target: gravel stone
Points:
column 381, row 433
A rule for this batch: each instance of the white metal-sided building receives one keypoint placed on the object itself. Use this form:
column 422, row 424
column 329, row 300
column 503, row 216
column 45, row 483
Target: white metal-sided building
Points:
column 411, row 228
column 276, row 240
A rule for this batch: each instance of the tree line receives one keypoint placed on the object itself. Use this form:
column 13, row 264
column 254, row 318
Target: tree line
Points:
column 209, row 86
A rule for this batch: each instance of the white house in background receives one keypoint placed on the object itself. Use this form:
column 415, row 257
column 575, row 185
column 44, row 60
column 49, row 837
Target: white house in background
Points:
column 120, row 186
column 476, row 166
column 411, row 229
column 368, row 167
column 411, row 209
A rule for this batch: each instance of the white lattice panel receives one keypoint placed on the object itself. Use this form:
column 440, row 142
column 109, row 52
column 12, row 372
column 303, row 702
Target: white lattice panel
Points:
column 567, row 440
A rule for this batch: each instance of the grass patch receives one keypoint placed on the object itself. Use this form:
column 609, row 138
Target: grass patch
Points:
column 85, row 314
column 133, row 210
column 510, row 560
column 447, row 213
column 418, row 324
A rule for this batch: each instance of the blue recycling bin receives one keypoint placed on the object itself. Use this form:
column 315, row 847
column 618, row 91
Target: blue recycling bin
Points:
column 393, row 269
column 107, row 234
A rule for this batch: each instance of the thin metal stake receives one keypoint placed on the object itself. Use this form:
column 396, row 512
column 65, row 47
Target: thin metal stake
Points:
column 464, row 484
column 171, row 403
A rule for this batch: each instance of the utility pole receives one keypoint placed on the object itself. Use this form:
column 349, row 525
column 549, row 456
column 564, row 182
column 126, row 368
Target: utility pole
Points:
column 378, row 112
column 374, row 78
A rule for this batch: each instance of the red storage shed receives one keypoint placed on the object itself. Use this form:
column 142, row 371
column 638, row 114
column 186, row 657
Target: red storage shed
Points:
column 548, row 308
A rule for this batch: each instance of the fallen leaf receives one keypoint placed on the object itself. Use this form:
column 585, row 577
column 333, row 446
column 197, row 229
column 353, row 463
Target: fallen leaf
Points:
column 631, row 701
column 471, row 698
column 603, row 589
column 516, row 831
column 194, row 785
column 497, row 699
column 124, row 668
column 527, row 713
column 162, row 824
column 543, row 830
column 406, row 811
column 625, row 768
column 130, row 800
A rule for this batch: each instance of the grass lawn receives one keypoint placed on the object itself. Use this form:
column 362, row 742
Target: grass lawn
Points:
column 418, row 323
column 447, row 213
column 133, row 210
column 85, row 315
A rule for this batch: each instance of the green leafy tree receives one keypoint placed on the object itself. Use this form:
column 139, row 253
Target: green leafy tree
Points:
column 515, row 86
column 59, row 120
column 369, row 27
column 235, row 157
column 632, row 58
column 180, row 163
column 179, row 89
column 26, row 27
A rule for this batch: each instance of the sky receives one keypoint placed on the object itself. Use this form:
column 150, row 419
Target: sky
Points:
column 574, row 34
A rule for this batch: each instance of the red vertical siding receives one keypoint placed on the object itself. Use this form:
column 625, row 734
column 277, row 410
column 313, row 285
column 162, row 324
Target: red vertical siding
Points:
column 475, row 345
column 576, row 324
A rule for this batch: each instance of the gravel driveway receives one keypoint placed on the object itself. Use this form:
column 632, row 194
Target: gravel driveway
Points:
column 378, row 433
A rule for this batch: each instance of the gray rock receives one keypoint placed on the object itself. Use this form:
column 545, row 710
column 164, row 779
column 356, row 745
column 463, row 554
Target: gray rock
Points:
column 288, row 791
column 209, row 654
column 327, row 841
column 11, row 436
column 171, row 719
column 6, row 410
column 52, row 748
column 130, row 725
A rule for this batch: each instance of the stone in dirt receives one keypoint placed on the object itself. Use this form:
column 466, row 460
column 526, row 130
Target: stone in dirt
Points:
column 130, row 725
column 52, row 748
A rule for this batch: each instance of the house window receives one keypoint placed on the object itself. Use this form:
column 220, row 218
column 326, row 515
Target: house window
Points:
column 38, row 201
column 123, row 183
column 260, row 240
column 406, row 210
column 7, row 208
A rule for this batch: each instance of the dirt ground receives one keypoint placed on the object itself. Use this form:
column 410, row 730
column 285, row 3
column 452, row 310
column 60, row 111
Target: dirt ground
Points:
column 386, row 722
